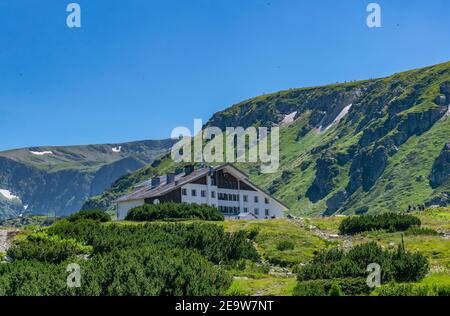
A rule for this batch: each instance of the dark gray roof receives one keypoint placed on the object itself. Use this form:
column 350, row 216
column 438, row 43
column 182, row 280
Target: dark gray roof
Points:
column 145, row 191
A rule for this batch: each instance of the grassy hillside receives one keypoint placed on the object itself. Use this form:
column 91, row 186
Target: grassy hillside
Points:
column 369, row 146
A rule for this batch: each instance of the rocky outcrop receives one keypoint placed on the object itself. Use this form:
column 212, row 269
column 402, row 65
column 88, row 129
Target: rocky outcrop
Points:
column 366, row 168
column 440, row 173
column 439, row 199
column 326, row 171
column 335, row 202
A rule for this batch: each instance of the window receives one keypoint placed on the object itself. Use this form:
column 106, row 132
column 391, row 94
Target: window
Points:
column 256, row 199
column 245, row 197
column 213, row 194
column 203, row 193
column 256, row 211
column 225, row 197
column 183, row 192
column 267, row 213
column 194, row 192
column 234, row 197
column 266, row 200
column 245, row 209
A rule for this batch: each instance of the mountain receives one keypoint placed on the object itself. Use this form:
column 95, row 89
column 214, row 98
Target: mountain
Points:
column 58, row 180
column 368, row 146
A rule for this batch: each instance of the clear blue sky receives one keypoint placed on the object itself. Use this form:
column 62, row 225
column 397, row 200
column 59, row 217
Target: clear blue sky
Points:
column 138, row 68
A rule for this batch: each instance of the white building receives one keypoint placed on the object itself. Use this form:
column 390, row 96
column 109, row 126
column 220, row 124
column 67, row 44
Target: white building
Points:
column 224, row 187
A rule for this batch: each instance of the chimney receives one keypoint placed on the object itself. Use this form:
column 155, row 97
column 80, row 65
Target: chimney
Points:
column 156, row 181
column 170, row 178
column 188, row 169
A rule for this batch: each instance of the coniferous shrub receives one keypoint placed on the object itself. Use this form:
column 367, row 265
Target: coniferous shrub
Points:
column 165, row 211
column 388, row 221
column 332, row 287
column 147, row 259
column 210, row 239
column 412, row 289
column 42, row 247
column 399, row 265
column 285, row 245
column 97, row 215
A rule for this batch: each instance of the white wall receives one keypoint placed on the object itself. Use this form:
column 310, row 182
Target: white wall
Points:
column 274, row 208
column 124, row 207
column 199, row 199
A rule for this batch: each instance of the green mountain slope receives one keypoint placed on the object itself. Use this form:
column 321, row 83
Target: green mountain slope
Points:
column 377, row 145
column 48, row 180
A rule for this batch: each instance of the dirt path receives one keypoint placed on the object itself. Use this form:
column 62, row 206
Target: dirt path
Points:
column 6, row 237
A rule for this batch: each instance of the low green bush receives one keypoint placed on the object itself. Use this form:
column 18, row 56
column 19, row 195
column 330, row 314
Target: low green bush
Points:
column 285, row 245
column 388, row 221
column 97, row 215
column 210, row 239
column 51, row 249
column 166, row 211
column 403, row 289
column 332, row 287
column 399, row 265
column 148, row 271
column 421, row 231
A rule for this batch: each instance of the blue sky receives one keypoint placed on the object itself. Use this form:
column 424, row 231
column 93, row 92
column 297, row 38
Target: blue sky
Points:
column 138, row 68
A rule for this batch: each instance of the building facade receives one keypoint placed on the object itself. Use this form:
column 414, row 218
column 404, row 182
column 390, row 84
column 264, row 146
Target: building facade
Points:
column 225, row 187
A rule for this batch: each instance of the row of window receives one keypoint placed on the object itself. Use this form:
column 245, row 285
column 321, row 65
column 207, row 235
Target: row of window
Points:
column 224, row 196
column 237, row 210
column 194, row 193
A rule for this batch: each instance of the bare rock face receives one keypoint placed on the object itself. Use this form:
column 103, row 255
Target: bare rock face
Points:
column 441, row 100
column 326, row 170
column 440, row 173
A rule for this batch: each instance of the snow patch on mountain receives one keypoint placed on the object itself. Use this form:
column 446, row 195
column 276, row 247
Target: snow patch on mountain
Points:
column 289, row 118
column 338, row 118
column 117, row 149
column 7, row 194
column 41, row 153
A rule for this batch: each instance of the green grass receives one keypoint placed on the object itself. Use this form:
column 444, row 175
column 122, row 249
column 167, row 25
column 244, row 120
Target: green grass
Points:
column 326, row 223
column 271, row 232
column 264, row 286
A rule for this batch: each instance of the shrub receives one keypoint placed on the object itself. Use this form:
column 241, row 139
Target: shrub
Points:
column 253, row 233
column 164, row 211
column 335, row 290
column 332, row 287
column 400, row 266
column 46, row 248
column 416, row 231
column 388, row 221
column 403, row 289
column 210, row 239
column 148, row 271
column 285, row 245
column 97, row 215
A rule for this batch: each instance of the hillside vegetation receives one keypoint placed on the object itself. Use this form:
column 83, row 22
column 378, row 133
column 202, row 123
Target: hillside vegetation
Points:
column 58, row 180
column 303, row 256
column 372, row 146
